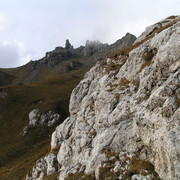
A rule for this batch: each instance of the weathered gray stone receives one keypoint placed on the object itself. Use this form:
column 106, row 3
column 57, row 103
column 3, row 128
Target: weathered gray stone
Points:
column 38, row 119
column 133, row 112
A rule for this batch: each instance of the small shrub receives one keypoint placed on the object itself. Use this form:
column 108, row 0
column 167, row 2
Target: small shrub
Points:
column 149, row 54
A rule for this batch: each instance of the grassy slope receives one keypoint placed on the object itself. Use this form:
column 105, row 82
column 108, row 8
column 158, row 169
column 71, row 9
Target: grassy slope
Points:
column 5, row 78
column 34, row 72
column 17, row 153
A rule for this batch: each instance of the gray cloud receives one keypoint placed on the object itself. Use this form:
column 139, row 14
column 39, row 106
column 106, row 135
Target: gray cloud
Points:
column 9, row 56
column 14, row 53
column 43, row 25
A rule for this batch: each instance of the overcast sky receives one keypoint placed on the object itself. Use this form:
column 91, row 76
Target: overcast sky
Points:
column 30, row 28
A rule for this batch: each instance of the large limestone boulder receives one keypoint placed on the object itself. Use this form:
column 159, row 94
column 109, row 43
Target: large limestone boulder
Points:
column 36, row 118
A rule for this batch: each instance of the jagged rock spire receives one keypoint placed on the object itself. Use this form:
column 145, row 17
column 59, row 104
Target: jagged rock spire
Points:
column 68, row 45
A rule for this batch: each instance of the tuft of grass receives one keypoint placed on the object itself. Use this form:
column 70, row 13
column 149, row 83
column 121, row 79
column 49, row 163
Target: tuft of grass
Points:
column 53, row 176
column 56, row 149
column 136, row 166
column 80, row 176
column 105, row 172
column 148, row 56
column 140, row 167
column 102, row 62
column 171, row 17
column 124, row 83
column 114, row 66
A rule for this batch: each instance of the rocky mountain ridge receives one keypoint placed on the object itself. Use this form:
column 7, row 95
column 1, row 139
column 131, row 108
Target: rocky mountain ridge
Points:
column 35, row 97
column 62, row 60
column 124, row 115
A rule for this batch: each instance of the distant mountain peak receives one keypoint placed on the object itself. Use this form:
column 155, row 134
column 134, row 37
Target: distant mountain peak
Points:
column 68, row 45
column 64, row 59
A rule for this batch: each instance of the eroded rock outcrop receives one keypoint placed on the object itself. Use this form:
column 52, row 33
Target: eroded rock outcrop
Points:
column 36, row 118
column 124, row 115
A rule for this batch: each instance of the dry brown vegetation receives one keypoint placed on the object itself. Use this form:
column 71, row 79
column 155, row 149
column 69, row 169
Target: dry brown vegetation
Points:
column 137, row 166
column 124, row 83
column 171, row 17
column 80, row 176
column 56, row 149
column 142, row 167
column 18, row 153
column 53, row 176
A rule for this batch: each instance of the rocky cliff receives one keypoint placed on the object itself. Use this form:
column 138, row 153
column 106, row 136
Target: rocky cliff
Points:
column 124, row 115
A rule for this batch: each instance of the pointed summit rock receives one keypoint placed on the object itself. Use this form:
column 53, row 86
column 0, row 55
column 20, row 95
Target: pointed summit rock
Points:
column 68, row 45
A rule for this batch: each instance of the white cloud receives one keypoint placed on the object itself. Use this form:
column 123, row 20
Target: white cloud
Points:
column 4, row 23
column 43, row 25
column 14, row 53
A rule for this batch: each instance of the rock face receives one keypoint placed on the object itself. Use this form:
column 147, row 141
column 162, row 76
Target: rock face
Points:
column 37, row 119
column 48, row 164
column 149, row 30
column 126, row 41
column 124, row 115
column 98, row 50
column 93, row 47
column 48, row 119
